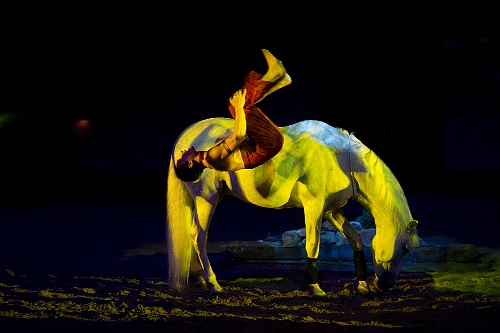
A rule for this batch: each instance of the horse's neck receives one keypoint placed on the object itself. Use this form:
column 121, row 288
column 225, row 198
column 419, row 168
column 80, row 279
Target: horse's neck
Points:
column 381, row 193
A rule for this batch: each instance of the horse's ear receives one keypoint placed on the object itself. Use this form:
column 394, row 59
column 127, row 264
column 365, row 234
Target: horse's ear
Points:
column 413, row 240
column 411, row 225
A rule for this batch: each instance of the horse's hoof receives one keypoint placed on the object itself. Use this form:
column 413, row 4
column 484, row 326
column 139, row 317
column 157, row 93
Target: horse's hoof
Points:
column 200, row 283
column 364, row 289
column 316, row 291
column 215, row 289
column 376, row 290
column 202, row 286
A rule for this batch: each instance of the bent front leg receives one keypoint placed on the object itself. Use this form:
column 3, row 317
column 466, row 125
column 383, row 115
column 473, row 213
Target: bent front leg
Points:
column 338, row 220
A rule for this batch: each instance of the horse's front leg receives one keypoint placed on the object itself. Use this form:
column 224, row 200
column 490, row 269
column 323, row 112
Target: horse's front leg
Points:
column 199, row 233
column 313, row 227
column 342, row 224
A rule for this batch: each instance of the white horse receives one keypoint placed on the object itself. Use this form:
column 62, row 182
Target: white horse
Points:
column 319, row 169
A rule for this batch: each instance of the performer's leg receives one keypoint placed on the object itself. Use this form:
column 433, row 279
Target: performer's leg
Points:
column 259, row 86
column 276, row 73
column 275, row 69
column 265, row 137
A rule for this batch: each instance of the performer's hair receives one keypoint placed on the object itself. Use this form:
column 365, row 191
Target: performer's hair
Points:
column 189, row 174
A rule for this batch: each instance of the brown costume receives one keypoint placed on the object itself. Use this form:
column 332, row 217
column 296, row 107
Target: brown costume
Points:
column 264, row 138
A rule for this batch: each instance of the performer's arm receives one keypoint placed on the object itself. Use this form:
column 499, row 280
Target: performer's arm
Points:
column 240, row 126
column 216, row 154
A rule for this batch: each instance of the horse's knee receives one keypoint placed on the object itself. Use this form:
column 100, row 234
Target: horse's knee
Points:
column 312, row 249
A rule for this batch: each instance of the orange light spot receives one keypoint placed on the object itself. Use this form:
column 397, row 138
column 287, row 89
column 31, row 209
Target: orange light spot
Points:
column 82, row 127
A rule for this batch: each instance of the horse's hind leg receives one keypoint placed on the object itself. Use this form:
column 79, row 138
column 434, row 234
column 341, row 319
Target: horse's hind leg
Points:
column 342, row 224
column 197, row 270
column 199, row 233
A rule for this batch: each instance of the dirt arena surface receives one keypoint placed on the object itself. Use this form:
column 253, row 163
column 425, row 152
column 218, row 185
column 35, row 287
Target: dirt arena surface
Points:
column 258, row 298
column 62, row 269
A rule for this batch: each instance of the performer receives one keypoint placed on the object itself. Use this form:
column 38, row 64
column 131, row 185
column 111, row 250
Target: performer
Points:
column 255, row 138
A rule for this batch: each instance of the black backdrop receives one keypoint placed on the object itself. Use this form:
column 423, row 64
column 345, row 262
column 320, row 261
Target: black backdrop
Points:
column 378, row 76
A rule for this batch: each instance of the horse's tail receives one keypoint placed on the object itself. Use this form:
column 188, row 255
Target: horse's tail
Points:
column 178, row 224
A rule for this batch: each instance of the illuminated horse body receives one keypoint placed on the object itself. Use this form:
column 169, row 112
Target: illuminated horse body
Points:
column 319, row 169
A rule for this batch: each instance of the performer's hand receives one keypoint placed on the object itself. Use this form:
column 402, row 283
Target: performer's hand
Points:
column 238, row 99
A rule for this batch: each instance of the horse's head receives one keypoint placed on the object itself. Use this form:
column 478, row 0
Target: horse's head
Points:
column 389, row 250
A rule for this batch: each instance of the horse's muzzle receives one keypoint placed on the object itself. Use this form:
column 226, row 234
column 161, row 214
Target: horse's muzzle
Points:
column 385, row 276
column 382, row 284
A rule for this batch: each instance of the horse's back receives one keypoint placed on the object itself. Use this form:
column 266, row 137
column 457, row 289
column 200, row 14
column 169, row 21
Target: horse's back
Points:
column 203, row 134
column 314, row 154
column 317, row 131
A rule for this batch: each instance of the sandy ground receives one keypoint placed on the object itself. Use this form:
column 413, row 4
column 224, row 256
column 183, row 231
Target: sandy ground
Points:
column 61, row 270
column 258, row 297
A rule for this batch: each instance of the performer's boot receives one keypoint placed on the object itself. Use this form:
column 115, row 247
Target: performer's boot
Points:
column 276, row 73
column 275, row 68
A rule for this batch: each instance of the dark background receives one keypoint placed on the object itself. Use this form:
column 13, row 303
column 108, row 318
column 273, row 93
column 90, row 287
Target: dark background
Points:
column 421, row 90
column 399, row 82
